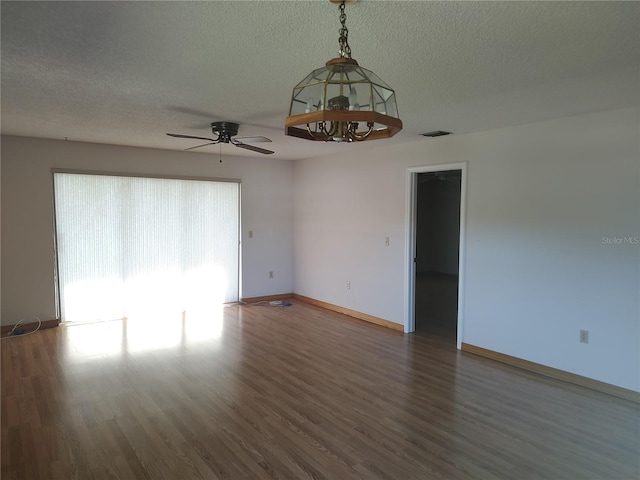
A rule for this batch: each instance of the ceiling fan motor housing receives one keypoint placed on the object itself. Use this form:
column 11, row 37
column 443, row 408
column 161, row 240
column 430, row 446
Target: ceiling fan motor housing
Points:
column 225, row 130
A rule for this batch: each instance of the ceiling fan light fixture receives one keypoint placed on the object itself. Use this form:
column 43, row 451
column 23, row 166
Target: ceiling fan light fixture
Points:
column 342, row 101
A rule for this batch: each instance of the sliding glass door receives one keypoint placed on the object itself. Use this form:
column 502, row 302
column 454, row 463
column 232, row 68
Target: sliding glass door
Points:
column 145, row 247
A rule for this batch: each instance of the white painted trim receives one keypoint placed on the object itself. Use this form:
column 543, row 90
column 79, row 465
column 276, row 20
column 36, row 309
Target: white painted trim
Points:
column 410, row 232
column 410, row 251
column 461, row 254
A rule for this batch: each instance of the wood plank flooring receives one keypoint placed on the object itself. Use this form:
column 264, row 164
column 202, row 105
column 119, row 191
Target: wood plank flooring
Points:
column 293, row 393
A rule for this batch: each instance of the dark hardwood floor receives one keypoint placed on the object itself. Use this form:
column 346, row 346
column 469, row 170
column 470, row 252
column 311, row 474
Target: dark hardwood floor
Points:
column 293, row 393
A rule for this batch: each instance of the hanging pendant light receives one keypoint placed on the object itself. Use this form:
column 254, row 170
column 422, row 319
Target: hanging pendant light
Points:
column 342, row 102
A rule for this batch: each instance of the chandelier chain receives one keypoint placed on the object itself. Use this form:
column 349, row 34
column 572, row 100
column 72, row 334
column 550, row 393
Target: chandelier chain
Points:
column 345, row 49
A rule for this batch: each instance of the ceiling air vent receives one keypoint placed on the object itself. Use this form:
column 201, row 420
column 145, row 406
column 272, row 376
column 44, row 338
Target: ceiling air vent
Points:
column 436, row 133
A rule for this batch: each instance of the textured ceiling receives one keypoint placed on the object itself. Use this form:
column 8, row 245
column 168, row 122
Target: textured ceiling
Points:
column 127, row 72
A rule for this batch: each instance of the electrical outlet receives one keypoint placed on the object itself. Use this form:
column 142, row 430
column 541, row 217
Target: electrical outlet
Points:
column 584, row 336
column 386, row 241
column 348, row 285
column 271, row 274
column 250, row 233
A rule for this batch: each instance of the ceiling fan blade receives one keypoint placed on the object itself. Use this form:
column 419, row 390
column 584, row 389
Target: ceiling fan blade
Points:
column 252, row 148
column 203, row 145
column 177, row 135
column 208, row 115
column 257, row 139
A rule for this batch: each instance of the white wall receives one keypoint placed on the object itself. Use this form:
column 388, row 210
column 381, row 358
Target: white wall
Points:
column 540, row 199
column 27, row 213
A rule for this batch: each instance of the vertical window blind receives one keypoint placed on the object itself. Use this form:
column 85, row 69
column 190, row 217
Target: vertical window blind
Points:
column 145, row 247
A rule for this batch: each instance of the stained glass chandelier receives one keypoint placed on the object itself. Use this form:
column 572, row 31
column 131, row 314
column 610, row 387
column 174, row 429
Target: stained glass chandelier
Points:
column 342, row 102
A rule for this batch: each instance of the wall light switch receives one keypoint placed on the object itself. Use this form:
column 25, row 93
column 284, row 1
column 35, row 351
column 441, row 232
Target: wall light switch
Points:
column 250, row 233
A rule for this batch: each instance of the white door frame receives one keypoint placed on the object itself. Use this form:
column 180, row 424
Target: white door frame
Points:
column 410, row 250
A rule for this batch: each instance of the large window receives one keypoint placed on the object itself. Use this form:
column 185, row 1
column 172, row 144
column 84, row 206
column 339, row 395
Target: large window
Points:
column 145, row 247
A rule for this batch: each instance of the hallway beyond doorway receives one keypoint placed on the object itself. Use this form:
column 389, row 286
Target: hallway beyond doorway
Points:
column 436, row 304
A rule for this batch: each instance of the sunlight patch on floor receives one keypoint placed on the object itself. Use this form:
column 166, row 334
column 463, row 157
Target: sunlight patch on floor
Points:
column 133, row 335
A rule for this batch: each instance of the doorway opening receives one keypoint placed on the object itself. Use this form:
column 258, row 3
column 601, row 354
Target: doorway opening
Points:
column 436, row 232
column 437, row 252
